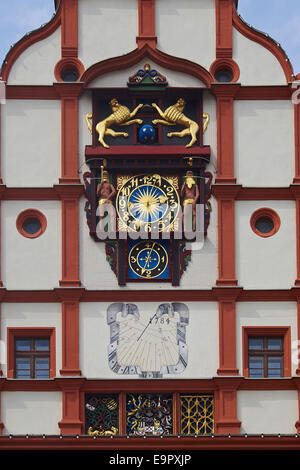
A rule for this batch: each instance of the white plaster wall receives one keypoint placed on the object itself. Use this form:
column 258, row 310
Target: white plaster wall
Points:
column 35, row 315
column 258, row 66
column 264, row 142
column 31, row 263
column 201, row 337
column 187, row 29
column 106, row 28
column 265, row 314
column 31, row 412
column 120, row 77
column 35, row 66
column 266, row 263
column 268, row 412
column 31, row 143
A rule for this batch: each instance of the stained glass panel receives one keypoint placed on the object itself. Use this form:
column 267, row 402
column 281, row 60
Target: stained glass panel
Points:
column 197, row 414
column 149, row 414
column 101, row 414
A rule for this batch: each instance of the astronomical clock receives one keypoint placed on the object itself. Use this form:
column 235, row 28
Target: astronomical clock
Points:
column 147, row 178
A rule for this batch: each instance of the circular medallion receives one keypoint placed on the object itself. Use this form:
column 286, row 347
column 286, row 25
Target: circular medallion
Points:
column 148, row 259
column 147, row 134
column 148, row 202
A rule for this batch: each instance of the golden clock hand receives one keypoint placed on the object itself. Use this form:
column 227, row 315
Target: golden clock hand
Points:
column 148, row 258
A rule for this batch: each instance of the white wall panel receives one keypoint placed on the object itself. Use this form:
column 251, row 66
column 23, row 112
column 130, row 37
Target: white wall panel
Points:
column 187, row 29
column 266, row 263
column 31, row 263
column 35, row 66
column 268, row 412
column 265, row 314
column 27, row 315
column 264, row 142
column 258, row 66
column 31, row 412
column 201, row 337
column 31, row 143
column 106, row 28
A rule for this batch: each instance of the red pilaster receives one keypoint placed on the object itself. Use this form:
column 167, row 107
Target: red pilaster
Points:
column 71, row 422
column 296, row 193
column 69, row 28
column 2, row 191
column 224, row 28
column 70, row 330
column 227, row 329
column 69, row 93
column 226, row 195
column 226, row 421
column 225, row 94
column 297, row 142
column 146, row 9
column 69, row 196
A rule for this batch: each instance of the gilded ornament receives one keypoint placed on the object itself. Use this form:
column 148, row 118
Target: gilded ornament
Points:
column 173, row 115
column 121, row 116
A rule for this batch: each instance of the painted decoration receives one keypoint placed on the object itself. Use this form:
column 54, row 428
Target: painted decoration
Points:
column 149, row 415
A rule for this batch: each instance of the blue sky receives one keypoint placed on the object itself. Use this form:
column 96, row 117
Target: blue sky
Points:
column 279, row 18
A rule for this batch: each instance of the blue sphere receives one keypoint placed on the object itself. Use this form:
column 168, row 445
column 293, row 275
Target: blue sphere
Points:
column 147, row 134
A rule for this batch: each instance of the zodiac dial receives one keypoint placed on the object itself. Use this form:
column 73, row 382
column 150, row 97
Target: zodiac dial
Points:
column 148, row 202
column 148, row 344
column 148, row 259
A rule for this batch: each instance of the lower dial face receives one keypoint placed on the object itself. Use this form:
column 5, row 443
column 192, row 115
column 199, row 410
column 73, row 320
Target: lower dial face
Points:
column 148, row 260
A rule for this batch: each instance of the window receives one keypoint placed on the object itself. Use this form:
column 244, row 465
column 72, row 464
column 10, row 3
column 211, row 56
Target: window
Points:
column 32, row 358
column 31, row 223
column 265, row 222
column 267, row 352
column 31, row 353
column 265, row 358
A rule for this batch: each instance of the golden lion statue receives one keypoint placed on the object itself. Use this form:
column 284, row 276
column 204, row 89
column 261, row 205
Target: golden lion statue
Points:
column 174, row 115
column 121, row 116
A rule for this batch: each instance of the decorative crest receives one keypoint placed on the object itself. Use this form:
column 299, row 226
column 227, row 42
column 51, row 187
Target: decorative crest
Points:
column 147, row 77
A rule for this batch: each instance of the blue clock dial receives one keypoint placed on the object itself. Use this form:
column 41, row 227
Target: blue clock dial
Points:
column 148, row 260
column 148, row 202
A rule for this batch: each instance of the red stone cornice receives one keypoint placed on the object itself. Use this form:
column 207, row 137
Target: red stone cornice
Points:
column 68, row 90
column 225, row 90
column 69, row 294
column 69, row 191
column 165, row 60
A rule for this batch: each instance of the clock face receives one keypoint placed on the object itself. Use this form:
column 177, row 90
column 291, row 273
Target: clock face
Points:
column 148, row 260
column 149, row 202
column 149, row 345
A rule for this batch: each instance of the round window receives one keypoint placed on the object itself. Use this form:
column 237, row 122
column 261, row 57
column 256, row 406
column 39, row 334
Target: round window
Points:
column 224, row 75
column 265, row 222
column 31, row 223
column 70, row 75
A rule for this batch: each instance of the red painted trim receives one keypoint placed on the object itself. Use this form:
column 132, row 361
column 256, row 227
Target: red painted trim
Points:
column 31, row 92
column 161, row 152
column 266, row 42
column 268, row 213
column 127, row 60
column 88, row 443
column 224, row 9
column 284, row 331
column 69, row 195
column 69, row 28
column 297, row 142
column 225, row 131
column 226, row 235
column 296, row 193
column 212, row 295
column 262, row 194
column 29, row 194
column 69, row 93
column 28, row 41
column 264, row 93
column 226, row 407
column 31, row 214
column 70, row 338
column 71, row 420
column 228, row 64
column 12, row 333
column 146, row 12
column 227, row 331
